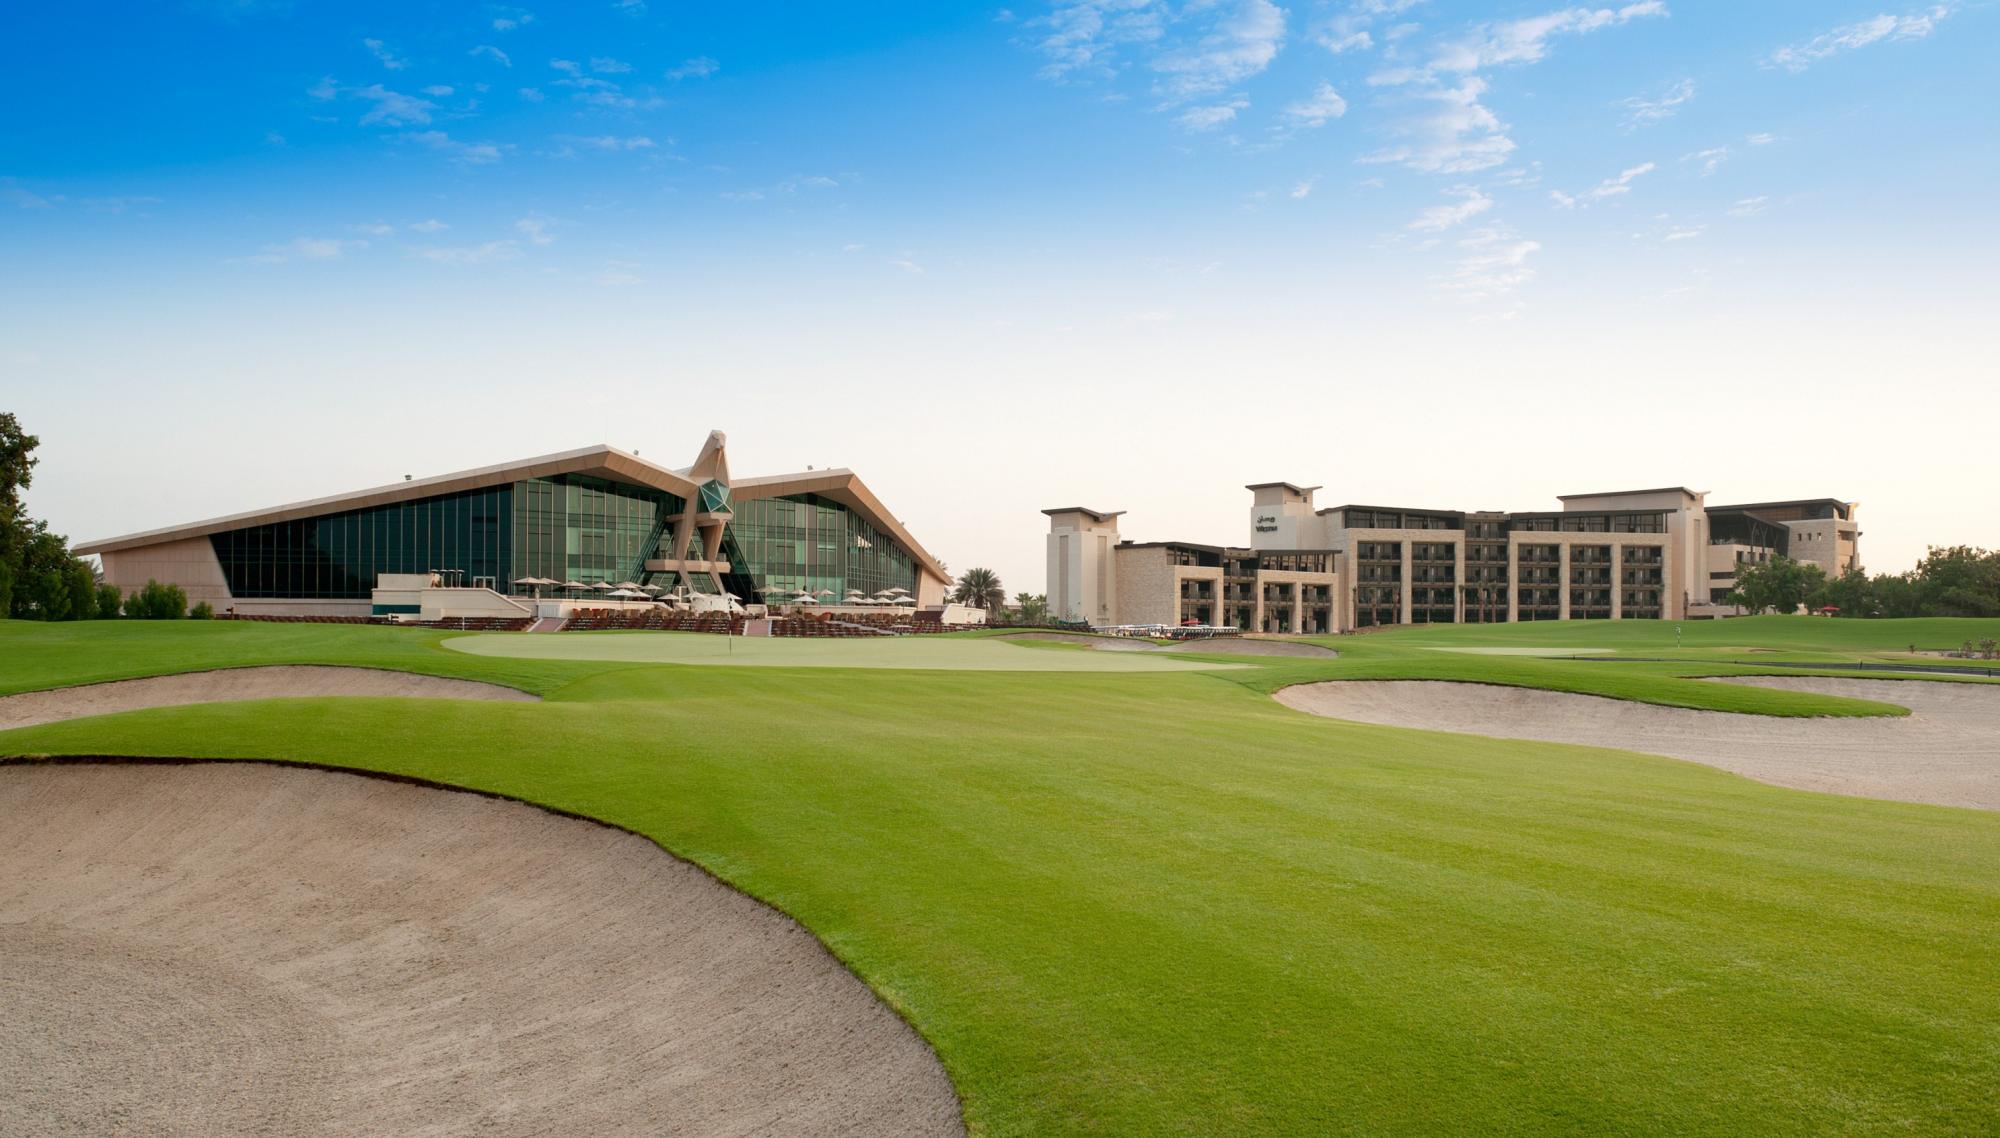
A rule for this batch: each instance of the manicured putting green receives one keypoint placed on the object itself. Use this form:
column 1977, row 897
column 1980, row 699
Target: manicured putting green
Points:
column 926, row 652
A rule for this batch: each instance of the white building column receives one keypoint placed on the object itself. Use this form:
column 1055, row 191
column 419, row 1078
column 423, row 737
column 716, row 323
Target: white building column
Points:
column 1562, row 575
column 1404, row 616
column 1617, row 581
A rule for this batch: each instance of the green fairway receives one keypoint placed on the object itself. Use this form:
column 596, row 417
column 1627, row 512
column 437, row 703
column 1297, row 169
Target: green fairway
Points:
column 986, row 654
column 1150, row 903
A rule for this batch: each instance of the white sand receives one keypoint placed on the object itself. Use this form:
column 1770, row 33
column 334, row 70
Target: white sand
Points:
column 1946, row 752
column 229, row 684
column 244, row 948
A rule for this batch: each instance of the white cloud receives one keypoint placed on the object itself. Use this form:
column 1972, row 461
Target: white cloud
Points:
column 1608, row 188
column 1915, row 26
column 1494, row 262
column 509, row 19
column 613, row 142
column 1527, row 40
column 618, row 274
column 1323, row 104
column 1645, row 112
column 1684, row 233
column 482, row 254
column 1747, row 207
column 428, row 225
column 1761, row 138
column 1085, row 35
column 393, row 108
column 381, row 51
column 439, row 91
column 605, row 65
column 375, row 229
column 1471, row 203
column 633, row 8
column 785, row 188
column 488, row 51
column 14, row 194
column 1239, row 45
column 472, row 153
column 908, row 266
column 1454, row 134
column 1303, row 189
column 1349, row 29
column 531, row 95
column 1711, row 159
column 306, row 249
column 1212, row 116
column 536, row 230
column 700, row 67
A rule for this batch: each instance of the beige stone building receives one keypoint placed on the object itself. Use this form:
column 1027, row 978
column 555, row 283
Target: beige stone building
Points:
column 1660, row 554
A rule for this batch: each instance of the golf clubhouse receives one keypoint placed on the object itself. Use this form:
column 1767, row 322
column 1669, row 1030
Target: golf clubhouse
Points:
column 594, row 528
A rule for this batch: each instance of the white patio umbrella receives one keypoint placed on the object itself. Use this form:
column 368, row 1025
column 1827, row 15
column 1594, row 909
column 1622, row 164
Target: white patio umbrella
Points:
column 906, row 600
column 626, row 585
column 624, row 593
column 897, row 591
column 574, row 585
column 602, row 586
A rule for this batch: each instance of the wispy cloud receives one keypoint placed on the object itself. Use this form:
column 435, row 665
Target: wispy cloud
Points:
column 482, row 254
column 1314, row 110
column 1913, row 26
column 605, row 65
column 15, row 194
column 1761, row 138
column 1449, row 132
column 1749, row 207
column 1492, row 263
column 306, row 249
column 1711, row 159
column 1640, row 111
column 471, row 153
column 1353, row 27
column 488, row 51
column 1239, row 45
column 1085, row 36
column 1211, row 116
column 380, row 51
column 785, row 188
column 1527, row 40
column 392, row 108
column 510, row 19
column 700, row 67
column 428, row 225
column 535, row 230
column 1608, row 188
column 1684, row 233
column 374, row 228
column 1303, row 189
column 1438, row 218
column 603, row 142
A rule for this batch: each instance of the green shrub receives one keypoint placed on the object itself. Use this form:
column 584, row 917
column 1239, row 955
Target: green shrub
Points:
column 202, row 611
column 157, row 602
column 108, row 601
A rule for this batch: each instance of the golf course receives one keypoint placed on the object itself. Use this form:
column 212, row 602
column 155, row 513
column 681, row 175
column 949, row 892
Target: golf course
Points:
column 1142, row 892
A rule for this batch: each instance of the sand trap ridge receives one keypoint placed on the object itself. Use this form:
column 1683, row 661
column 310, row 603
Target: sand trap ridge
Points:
column 245, row 948
column 229, row 684
column 1947, row 751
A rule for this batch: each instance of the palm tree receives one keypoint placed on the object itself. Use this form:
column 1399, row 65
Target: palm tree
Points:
column 980, row 588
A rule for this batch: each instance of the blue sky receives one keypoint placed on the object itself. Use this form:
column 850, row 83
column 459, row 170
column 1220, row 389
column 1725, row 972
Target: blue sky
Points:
column 1123, row 252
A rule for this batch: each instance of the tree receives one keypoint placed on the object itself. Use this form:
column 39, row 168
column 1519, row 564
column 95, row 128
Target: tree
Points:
column 1852, row 594
column 17, row 472
column 981, row 589
column 1958, row 580
column 202, row 611
column 1780, row 583
column 157, row 602
column 1034, row 608
column 108, row 602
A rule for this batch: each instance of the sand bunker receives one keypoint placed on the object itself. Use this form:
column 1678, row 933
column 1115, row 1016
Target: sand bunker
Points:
column 1947, row 751
column 1100, row 643
column 227, row 684
column 245, row 948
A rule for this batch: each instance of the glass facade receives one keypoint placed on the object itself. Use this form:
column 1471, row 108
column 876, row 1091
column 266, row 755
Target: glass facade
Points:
column 778, row 546
column 574, row 528
column 337, row 556
column 567, row 527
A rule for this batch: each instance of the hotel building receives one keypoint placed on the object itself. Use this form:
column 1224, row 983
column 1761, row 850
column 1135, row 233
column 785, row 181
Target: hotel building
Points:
column 1660, row 554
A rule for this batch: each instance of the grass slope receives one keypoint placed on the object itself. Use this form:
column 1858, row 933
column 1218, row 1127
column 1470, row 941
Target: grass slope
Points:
column 1161, row 904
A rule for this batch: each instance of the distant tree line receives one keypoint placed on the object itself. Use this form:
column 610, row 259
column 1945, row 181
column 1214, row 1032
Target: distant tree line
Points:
column 40, row 579
column 1957, row 580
